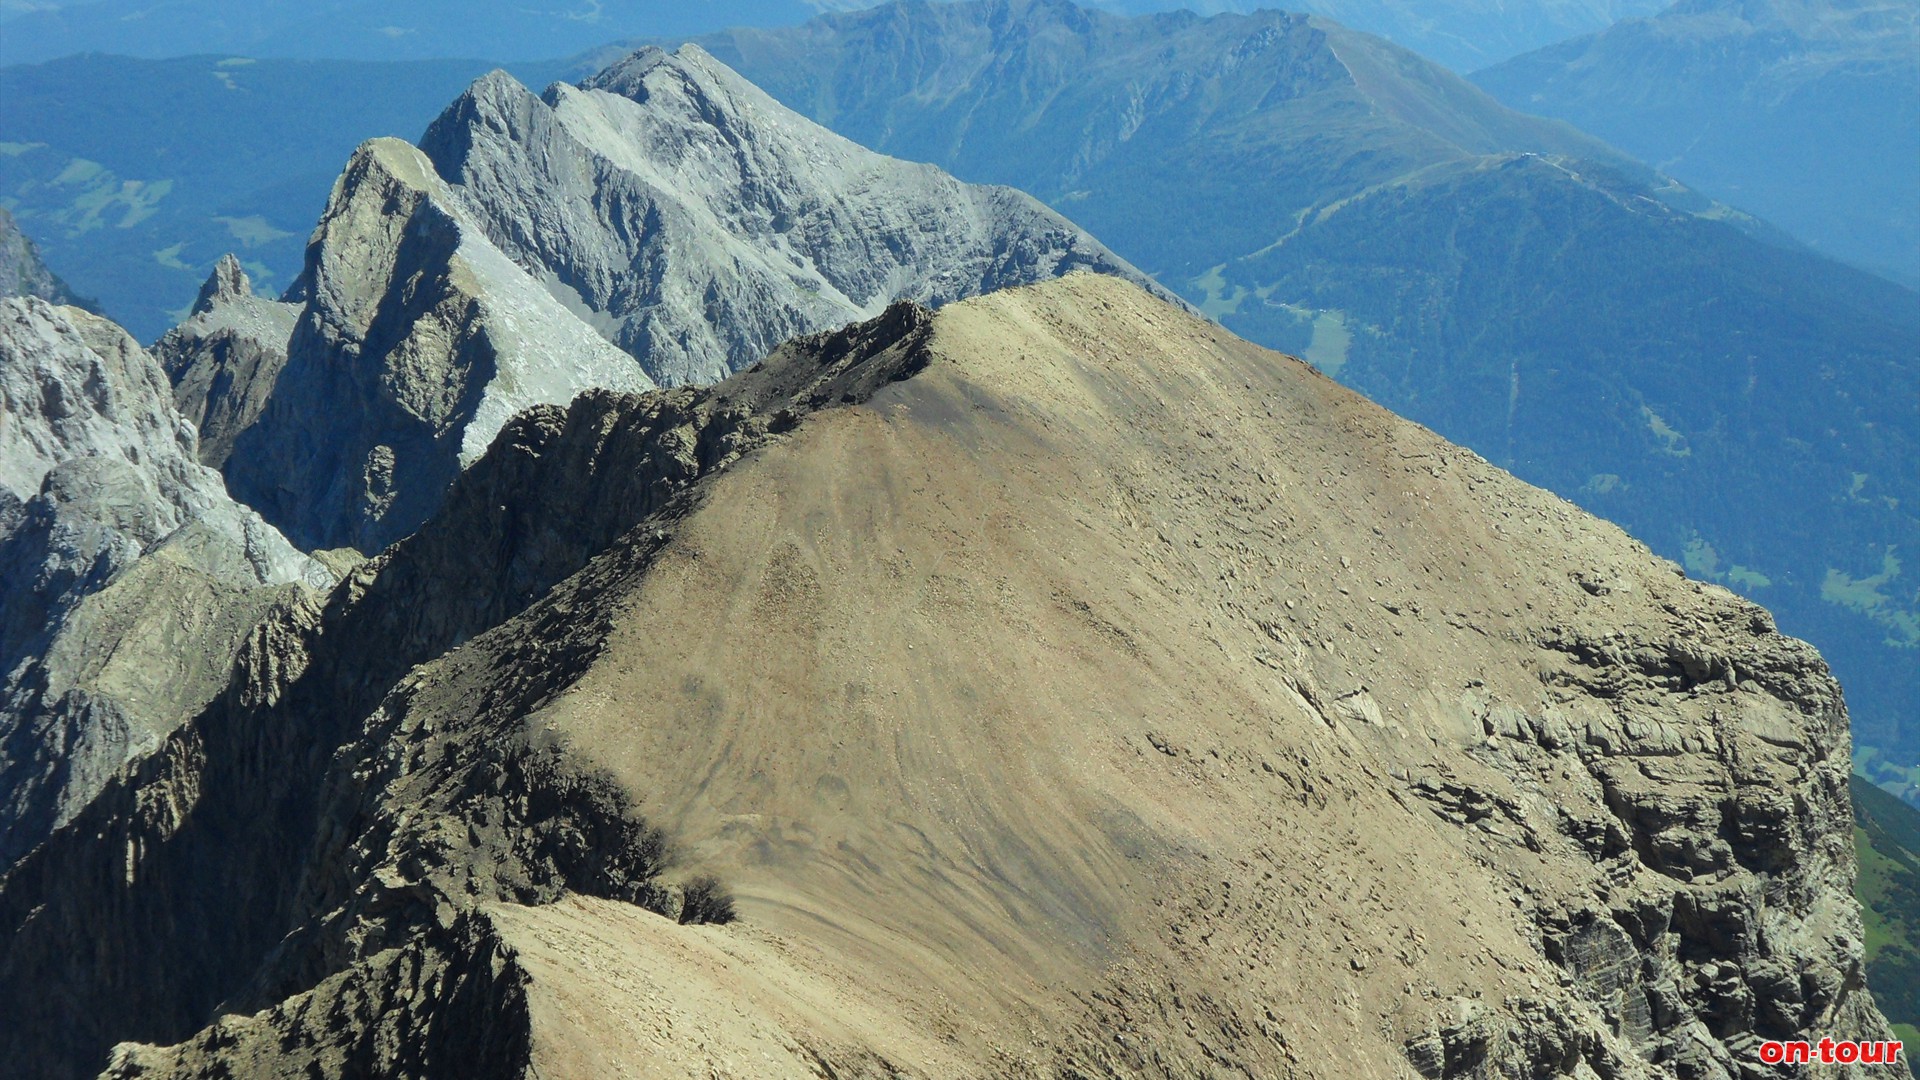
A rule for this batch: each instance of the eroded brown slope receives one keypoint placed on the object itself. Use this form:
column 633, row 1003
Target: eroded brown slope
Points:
column 1093, row 694
column 1118, row 697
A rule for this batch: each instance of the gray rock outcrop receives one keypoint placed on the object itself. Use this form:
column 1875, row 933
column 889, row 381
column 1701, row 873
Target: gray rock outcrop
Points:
column 664, row 221
column 127, row 575
column 224, row 359
column 417, row 340
column 698, row 223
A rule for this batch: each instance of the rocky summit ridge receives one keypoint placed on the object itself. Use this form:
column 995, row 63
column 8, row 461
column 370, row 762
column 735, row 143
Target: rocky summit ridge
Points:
column 224, row 358
column 417, row 340
column 22, row 273
column 1059, row 685
column 663, row 221
column 701, row 223
column 127, row 574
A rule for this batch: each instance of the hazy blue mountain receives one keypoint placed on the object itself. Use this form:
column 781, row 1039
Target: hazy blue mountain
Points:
column 1462, row 34
column 135, row 176
column 1806, row 112
column 1747, row 408
column 362, row 29
column 1189, row 139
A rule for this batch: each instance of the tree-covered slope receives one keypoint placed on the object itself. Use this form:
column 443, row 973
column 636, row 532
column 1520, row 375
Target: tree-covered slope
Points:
column 1887, row 834
column 1806, row 112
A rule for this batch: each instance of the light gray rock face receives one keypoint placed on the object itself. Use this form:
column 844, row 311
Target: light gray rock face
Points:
column 417, row 340
column 697, row 223
column 223, row 360
column 127, row 575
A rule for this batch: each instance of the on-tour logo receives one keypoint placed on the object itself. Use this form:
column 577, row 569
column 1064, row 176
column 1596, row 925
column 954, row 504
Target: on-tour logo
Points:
column 1829, row 1052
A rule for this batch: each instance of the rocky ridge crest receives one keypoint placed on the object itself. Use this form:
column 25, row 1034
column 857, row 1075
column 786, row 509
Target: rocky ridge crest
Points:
column 21, row 271
column 701, row 223
column 224, row 359
column 313, row 861
column 417, row 340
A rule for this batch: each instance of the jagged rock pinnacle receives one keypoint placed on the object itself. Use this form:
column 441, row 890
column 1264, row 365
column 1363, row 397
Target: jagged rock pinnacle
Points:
column 227, row 282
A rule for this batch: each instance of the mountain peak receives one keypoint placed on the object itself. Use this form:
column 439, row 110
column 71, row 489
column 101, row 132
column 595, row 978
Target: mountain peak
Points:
column 636, row 76
column 487, row 95
column 1023, row 618
column 228, row 282
column 627, row 76
column 398, row 159
column 672, row 198
column 419, row 339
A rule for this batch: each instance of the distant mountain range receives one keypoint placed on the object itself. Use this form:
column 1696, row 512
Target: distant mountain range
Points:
column 1463, row 34
column 1806, row 112
column 36, row 30
column 1746, row 408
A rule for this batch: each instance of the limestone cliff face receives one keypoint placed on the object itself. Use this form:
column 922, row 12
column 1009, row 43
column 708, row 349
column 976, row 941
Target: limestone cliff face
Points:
column 225, row 358
column 417, row 340
column 1061, row 686
column 698, row 223
column 127, row 575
